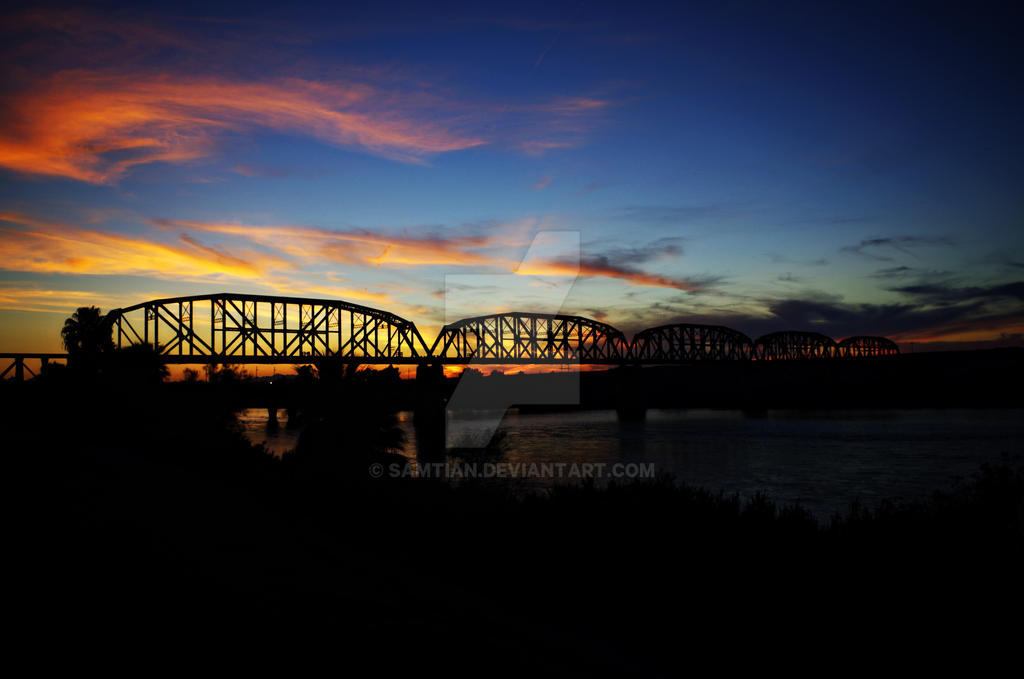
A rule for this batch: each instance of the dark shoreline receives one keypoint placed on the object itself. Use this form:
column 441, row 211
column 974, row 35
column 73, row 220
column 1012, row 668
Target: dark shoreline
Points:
column 988, row 378
column 984, row 378
column 150, row 514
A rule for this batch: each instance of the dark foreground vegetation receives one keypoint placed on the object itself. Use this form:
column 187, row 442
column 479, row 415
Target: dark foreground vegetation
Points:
column 151, row 521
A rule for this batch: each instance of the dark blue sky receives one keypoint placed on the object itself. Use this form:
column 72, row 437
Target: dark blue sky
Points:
column 844, row 169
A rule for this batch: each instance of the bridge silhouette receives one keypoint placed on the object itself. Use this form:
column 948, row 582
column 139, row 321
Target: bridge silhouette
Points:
column 227, row 328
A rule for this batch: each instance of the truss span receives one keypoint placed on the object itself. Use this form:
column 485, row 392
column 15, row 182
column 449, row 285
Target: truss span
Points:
column 794, row 345
column 237, row 328
column 862, row 346
column 686, row 342
column 242, row 328
column 520, row 337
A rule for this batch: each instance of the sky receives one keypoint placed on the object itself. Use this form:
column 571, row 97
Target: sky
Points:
column 765, row 166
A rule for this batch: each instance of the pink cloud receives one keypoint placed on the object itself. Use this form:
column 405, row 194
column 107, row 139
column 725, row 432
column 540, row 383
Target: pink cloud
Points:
column 95, row 126
column 92, row 108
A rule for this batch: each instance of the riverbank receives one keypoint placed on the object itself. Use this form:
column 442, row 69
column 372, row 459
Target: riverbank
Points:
column 147, row 526
column 822, row 459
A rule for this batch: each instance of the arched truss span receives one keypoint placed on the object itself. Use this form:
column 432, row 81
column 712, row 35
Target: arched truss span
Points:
column 519, row 337
column 864, row 345
column 685, row 342
column 790, row 345
column 240, row 328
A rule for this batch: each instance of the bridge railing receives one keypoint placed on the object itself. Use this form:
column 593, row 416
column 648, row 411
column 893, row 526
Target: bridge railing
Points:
column 16, row 366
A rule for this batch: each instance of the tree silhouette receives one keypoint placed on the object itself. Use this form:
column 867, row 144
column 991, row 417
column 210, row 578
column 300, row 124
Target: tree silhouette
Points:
column 352, row 420
column 223, row 373
column 86, row 333
column 134, row 366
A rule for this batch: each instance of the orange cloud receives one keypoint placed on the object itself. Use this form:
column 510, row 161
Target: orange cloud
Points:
column 260, row 254
column 359, row 246
column 973, row 330
column 364, row 247
column 101, row 92
column 60, row 249
column 94, row 127
column 552, row 267
column 379, row 300
column 15, row 298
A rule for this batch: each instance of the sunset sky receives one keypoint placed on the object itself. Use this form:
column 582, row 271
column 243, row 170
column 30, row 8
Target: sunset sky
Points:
column 759, row 165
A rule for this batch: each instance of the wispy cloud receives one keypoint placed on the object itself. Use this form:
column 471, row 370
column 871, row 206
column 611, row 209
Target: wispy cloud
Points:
column 95, row 126
column 90, row 108
column 360, row 246
column 64, row 249
column 901, row 322
column 783, row 259
column 538, row 147
column 20, row 297
column 590, row 187
column 448, row 248
column 624, row 264
column 674, row 214
column 662, row 248
column 539, row 127
column 881, row 249
column 603, row 266
column 893, row 272
column 944, row 294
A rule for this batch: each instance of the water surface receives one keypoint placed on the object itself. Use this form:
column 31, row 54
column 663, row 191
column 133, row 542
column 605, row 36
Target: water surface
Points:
column 822, row 459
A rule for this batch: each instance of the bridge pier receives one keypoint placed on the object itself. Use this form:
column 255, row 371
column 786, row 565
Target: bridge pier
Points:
column 429, row 414
column 293, row 416
column 630, row 394
column 272, row 424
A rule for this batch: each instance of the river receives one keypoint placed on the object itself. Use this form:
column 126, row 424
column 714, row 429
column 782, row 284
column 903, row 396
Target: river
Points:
column 821, row 459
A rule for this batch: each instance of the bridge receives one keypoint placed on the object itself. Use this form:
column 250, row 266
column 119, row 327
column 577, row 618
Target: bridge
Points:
column 226, row 328
column 685, row 342
column 231, row 328
column 520, row 337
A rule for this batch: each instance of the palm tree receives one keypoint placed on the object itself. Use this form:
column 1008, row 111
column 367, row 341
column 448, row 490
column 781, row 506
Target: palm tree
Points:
column 85, row 332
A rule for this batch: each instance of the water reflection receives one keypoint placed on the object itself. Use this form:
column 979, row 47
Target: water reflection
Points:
column 259, row 428
column 822, row 459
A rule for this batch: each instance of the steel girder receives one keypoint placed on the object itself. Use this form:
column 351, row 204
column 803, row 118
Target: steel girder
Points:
column 238, row 328
column 862, row 346
column 685, row 342
column 242, row 328
column 521, row 337
column 792, row 345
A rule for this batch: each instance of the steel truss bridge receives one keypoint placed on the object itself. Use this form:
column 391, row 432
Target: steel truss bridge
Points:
column 519, row 337
column 228, row 328
column 260, row 329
